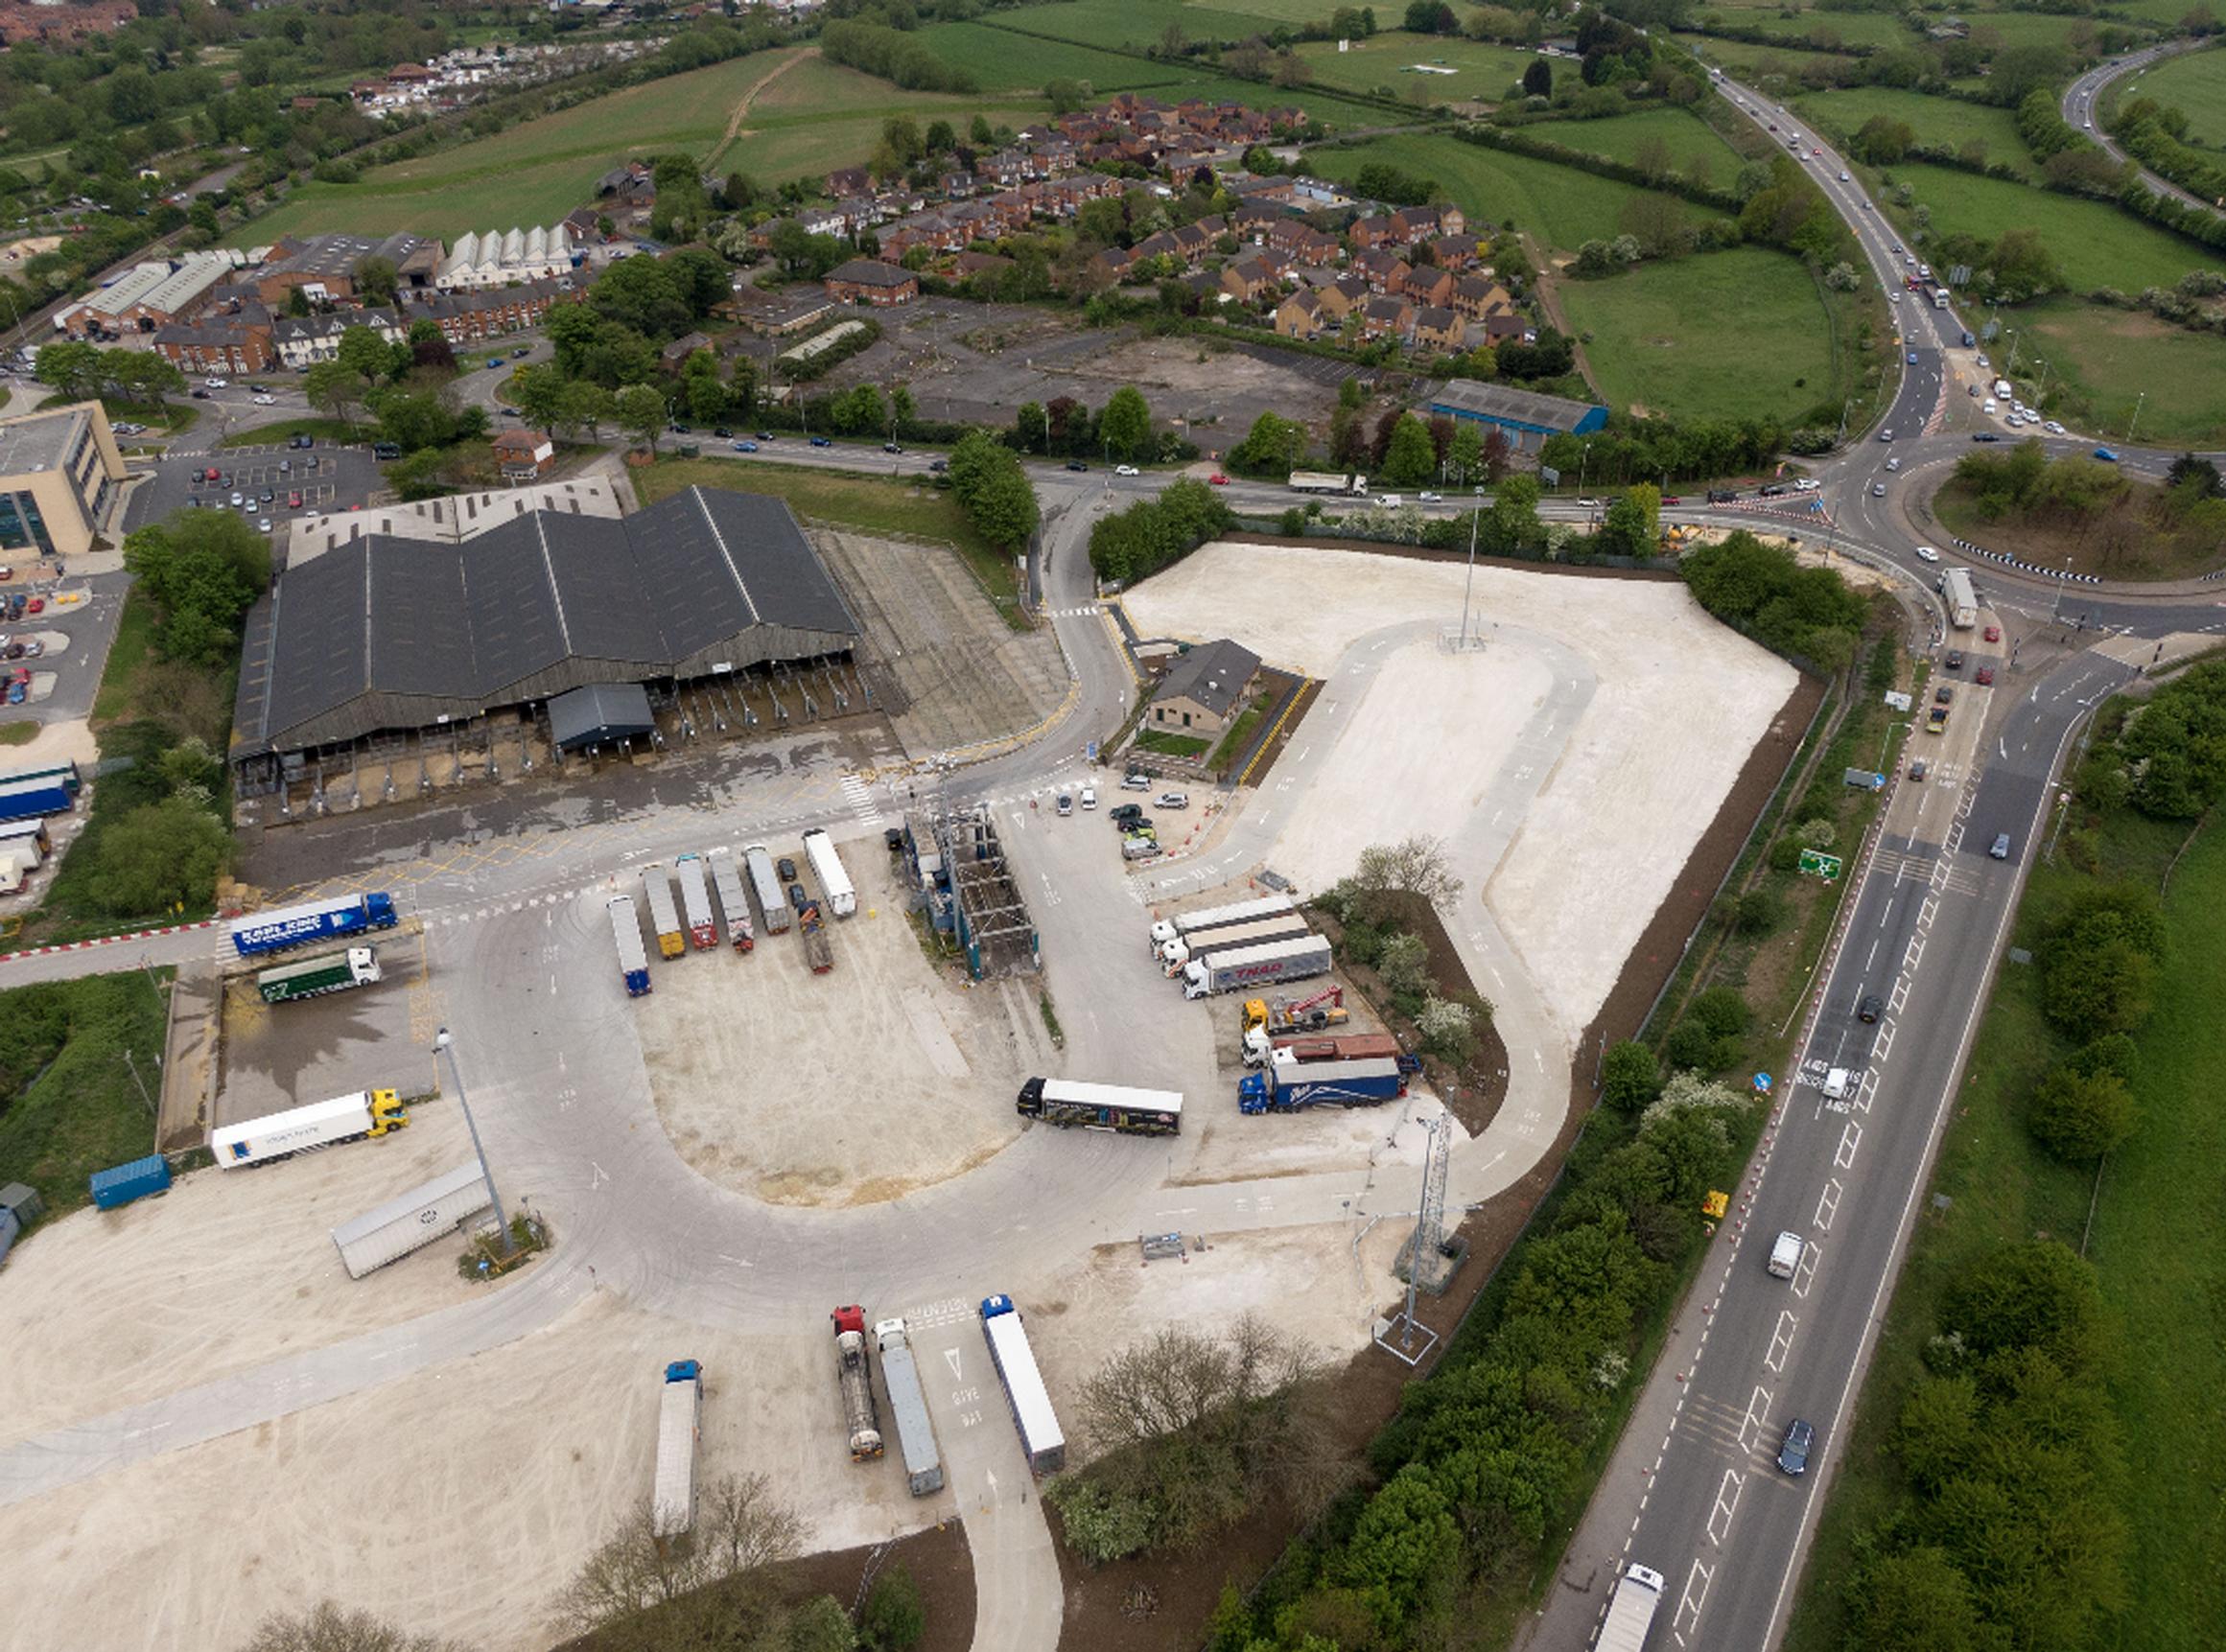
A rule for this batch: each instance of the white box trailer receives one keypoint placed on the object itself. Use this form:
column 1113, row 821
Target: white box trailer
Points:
column 1630, row 1612
column 772, row 898
column 1962, row 599
column 1189, row 923
column 679, row 1423
column 412, row 1220
column 695, row 901
column 834, row 885
column 908, row 1405
column 1230, row 971
column 727, row 878
column 1228, row 936
column 303, row 1130
column 663, row 915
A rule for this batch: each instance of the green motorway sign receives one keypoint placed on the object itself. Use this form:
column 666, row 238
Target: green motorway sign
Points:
column 1824, row 866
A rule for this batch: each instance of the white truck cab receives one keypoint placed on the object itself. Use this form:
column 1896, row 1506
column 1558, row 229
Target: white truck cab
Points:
column 1838, row 1083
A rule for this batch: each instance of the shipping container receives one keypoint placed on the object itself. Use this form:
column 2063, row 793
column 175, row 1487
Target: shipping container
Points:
column 834, row 885
column 412, row 1220
column 126, row 1182
column 695, row 901
column 663, row 915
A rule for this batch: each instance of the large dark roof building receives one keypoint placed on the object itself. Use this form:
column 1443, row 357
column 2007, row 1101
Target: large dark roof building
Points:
column 386, row 634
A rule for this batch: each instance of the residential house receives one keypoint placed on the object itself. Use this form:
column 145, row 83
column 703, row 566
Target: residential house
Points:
column 1438, row 328
column 674, row 356
column 1412, row 223
column 1425, row 283
column 870, row 281
column 467, row 318
column 632, row 184
column 1503, row 325
column 969, row 264
column 234, row 343
column 1383, row 272
column 1302, row 316
column 1249, row 280
column 1255, row 223
column 302, row 341
column 1456, row 252
column 1477, row 296
column 1342, row 296
column 1385, row 318
column 524, row 455
column 849, row 180
column 1205, row 689
column 1373, row 231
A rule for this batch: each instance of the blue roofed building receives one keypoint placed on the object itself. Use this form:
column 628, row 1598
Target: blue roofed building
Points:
column 1525, row 417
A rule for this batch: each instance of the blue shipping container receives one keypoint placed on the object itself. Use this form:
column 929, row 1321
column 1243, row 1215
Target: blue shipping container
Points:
column 127, row 1182
column 33, row 800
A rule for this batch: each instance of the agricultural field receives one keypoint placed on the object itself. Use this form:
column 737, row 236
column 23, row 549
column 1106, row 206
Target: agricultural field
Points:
column 1723, row 334
column 1753, row 63
column 2196, row 84
column 1481, row 70
column 1848, row 28
column 1948, row 122
column 2115, row 361
column 2154, row 1238
column 820, row 116
column 1561, row 205
column 1136, row 24
column 2098, row 245
column 1621, row 137
column 1005, row 61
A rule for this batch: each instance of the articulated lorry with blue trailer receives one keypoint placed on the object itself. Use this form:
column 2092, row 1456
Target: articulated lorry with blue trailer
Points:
column 314, row 920
column 30, row 799
column 633, row 956
column 1287, row 1086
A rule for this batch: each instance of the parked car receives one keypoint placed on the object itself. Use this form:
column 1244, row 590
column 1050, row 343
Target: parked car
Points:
column 1955, row 660
column 37, row 605
column 201, row 395
column 264, row 401
column 798, row 900
column 1124, row 470
column 787, row 867
column 1076, row 465
column 302, row 442
column 821, row 442
column 1985, row 436
column 1172, row 801
column 264, row 525
column 1066, row 803
column 1135, row 780
column 34, row 648
column 15, row 651
column 1089, row 797
column 235, row 498
column 1121, row 814
column 1986, row 674
column 17, row 693
column 293, row 501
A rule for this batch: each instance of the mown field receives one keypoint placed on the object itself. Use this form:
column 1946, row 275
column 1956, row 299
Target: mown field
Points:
column 1481, row 70
column 1621, row 137
column 2098, row 245
column 1751, row 63
column 1561, row 205
column 2197, row 85
column 1140, row 23
column 1945, row 121
column 1724, row 335
column 2116, row 360
column 2157, row 1233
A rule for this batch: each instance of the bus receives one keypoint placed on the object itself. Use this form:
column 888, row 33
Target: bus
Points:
column 1040, row 1441
column 1069, row 1102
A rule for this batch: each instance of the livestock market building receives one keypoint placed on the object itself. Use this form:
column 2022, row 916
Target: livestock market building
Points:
column 389, row 634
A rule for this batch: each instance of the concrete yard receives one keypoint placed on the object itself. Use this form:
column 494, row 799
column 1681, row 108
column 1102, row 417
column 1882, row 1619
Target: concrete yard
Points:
column 226, row 1272
column 281, row 1056
column 883, row 1076
column 1676, row 701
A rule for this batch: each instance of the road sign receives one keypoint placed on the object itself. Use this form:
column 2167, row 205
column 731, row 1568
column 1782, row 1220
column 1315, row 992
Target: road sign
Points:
column 1551, row 477
column 1959, row 276
column 1763, row 1083
column 1824, row 866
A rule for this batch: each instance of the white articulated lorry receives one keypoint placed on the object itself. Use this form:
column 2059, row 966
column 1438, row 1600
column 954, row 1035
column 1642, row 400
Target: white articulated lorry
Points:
column 1228, row 937
column 827, row 865
column 1630, row 1612
column 679, row 1421
column 908, row 1405
column 1230, row 971
column 1186, row 924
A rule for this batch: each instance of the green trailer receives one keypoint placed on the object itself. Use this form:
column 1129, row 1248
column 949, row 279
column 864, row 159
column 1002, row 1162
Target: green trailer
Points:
column 313, row 977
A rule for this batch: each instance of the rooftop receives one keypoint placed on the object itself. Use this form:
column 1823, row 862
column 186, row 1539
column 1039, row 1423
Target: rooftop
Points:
column 1213, row 676
column 1520, row 406
column 41, row 441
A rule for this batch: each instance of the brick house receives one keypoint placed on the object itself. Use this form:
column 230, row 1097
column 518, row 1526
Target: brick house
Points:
column 1425, row 283
column 466, row 317
column 1383, row 272
column 870, row 281
column 1302, row 316
column 1438, row 328
column 1371, row 231
column 1204, row 691
column 302, row 341
column 1385, row 318
column 1456, row 252
column 1504, row 325
column 221, row 344
column 1342, row 296
column 1477, row 296
column 1248, row 280
column 524, row 455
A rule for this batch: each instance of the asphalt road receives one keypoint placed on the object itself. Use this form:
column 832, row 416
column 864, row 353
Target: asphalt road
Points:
column 2079, row 107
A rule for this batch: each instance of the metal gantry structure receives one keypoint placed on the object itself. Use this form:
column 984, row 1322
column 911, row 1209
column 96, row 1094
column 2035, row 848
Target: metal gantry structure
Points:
column 992, row 922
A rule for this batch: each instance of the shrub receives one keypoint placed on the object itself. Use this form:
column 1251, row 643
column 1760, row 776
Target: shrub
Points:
column 2080, row 1117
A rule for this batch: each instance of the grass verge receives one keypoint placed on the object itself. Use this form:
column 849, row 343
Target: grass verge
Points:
column 2158, row 1228
column 119, row 696
column 877, row 504
column 1171, row 745
column 283, row 429
column 2125, row 541
column 68, row 1104
column 1239, row 734
column 19, row 733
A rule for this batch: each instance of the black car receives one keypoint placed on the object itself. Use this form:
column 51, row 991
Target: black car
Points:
column 764, row 436
column 1944, row 693
column 891, row 447
column 722, row 433
column 1076, row 465
column 787, row 867
column 1955, row 659
column 201, row 395
column 798, row 900
column 1771, row 490
column 1986, row 435
column 1794, row 1455
column 1125, row 813
column 1870, row 1009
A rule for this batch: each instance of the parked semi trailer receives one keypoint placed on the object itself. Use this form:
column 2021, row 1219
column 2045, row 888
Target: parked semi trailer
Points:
column 1102, row 1107
column 1189, row 924
column 679, row 1421
column 122, row 1183
column 834, row 885
column 633, row 956
column 32, row 799
column 412, row 1220
column 908, row 1405
column 1260, row 1047
column 856, row 1378
column 1025, row 1397
column 663, row 915
column 772, row 900
column 313, row 977
column 1255, row 967
column 1284, row 927
column 1631, row 1610
column 303, row 1130
column 733, row 904
column 1286, row 1087
column 695, row 901
column 315, row 921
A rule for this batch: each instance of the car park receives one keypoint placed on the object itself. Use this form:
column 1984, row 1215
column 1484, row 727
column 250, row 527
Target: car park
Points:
column 1794, row 1453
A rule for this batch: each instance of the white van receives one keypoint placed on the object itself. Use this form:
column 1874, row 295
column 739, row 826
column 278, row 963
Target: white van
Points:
column 1987, row 407
column 1838, row 1083
column 1786, row 1255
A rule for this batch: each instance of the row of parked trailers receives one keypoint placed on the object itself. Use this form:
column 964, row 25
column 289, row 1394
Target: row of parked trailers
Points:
column 694, row 919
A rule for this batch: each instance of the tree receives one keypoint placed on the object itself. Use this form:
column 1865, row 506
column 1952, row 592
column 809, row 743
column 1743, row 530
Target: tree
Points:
column 1539, row 79
column 640, row 413
column 2082, row 1116
column 75, row 370
column 377, row 281
column 1629, row 1078
column 328, row 1628
column 1448, row 1028
column 1004, row 507
column 539, row 395
column 162, row 855
column 585, row 407
column 1273, row 447
column 1624, row 533
column 1914, row 1601
column 894, row 1617
column 1412, row 459
column 1404, row 963
column 202, row 569
column 1125, row 426
column 335, row 388
column 1514, row 524
column 1416, row 866
column 742, row 1527
column 362, row 350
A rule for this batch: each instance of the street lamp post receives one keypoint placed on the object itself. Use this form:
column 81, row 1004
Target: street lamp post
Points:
column 446, row 1046
column 2135, row 419
column 1476, row 511
column 1581, row 465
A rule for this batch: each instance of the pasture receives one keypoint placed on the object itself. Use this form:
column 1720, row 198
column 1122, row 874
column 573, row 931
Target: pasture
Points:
column 1723, row 334
column 1691, row 142
column 1481, row 70
column 2195, row 83
column 1948, row 122
column 2117, row 359
column 1561, row 205
column 2096, row 244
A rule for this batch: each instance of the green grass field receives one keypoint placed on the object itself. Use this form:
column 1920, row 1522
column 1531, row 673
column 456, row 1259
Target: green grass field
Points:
column 1846, row 29
column 2197, row 85
column 71, row 1107
column 1140, row 23
column 1481, row 70
column 1619, row 137
column 2098, row 245
column 2114, row 360
column 1752, row 63
column 1004, row 60
column 1945, row 121
column 1561, row 205
column 1724, row 335
column 2158, row 1230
